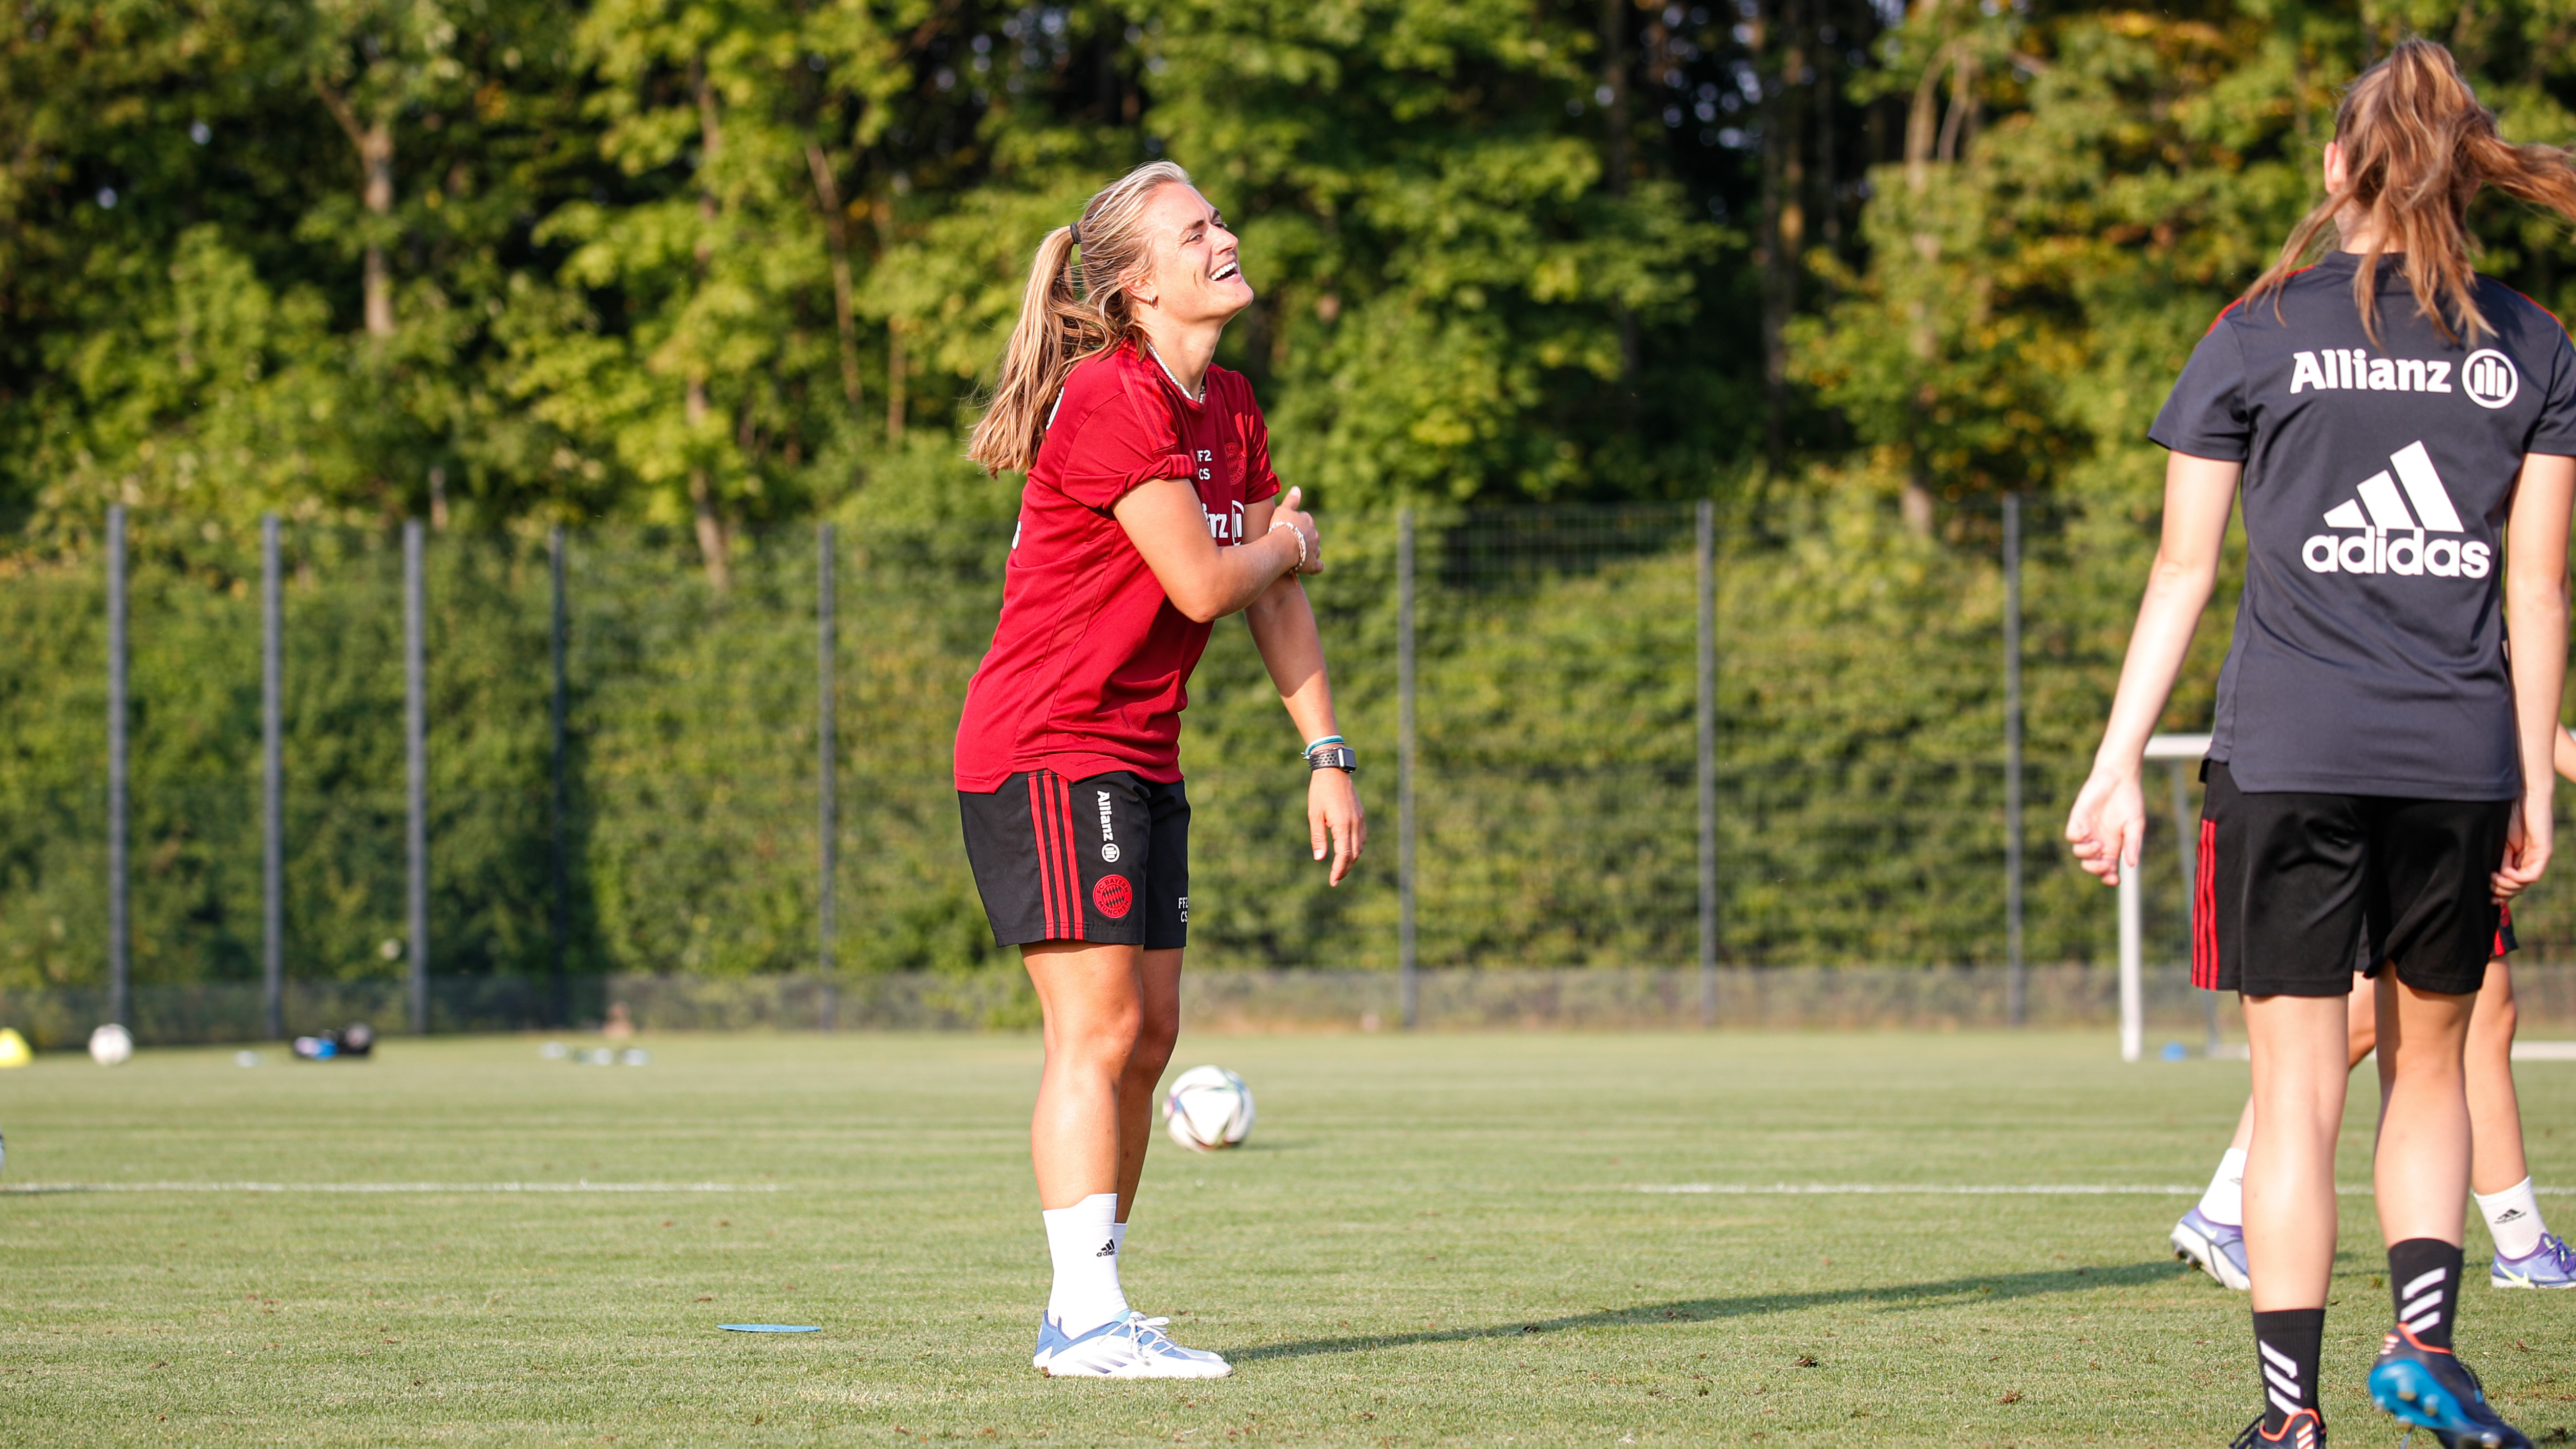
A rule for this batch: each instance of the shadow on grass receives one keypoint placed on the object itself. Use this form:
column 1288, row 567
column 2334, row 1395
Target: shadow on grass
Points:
column 1949, row 1293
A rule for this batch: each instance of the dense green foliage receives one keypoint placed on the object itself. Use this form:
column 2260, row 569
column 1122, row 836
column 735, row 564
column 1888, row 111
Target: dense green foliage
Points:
column 690, row 274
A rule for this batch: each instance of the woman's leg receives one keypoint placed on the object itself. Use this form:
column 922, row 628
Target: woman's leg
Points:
column 1159, row 1027
column 1092, row 999
column 2361, row 1034
column 2300, row 1068
column 2498, row 1172
column 2421, row 1171
column 2495, row 1114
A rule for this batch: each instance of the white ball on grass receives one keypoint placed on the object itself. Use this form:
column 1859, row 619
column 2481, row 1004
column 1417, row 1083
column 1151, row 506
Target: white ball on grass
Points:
column 1208, row 1109
column 111, row 1045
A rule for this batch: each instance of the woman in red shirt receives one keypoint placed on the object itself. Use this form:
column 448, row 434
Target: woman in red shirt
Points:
column 1150, row 512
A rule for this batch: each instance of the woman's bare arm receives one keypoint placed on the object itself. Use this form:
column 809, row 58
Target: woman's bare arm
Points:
column 1204, row 579
column 2109, row 821
column 2535, row 619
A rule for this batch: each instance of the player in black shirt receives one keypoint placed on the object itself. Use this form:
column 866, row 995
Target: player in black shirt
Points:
column 2404, row 433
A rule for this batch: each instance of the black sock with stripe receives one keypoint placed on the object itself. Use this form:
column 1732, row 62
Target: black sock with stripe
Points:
column 2424, row 1280
column 2288, row 1342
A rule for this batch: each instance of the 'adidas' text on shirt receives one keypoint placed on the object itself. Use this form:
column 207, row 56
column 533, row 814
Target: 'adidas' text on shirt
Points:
column 2392, row 540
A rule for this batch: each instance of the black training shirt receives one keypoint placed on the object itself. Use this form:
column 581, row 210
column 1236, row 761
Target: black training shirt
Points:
column 2369, row 648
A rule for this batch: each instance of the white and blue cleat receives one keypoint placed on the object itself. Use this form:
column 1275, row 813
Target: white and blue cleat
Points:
column 1050, row 1338
column 2216, row 1248
column 2551, row 1265
column 1134, row 1347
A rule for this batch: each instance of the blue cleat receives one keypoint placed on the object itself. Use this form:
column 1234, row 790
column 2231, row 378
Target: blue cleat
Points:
column 2216, row 1248
column 2551, row 1265
column 2302, row 1430
column 2429, row 1388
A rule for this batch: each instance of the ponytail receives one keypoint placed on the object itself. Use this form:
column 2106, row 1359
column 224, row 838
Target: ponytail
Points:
column 2417, row 148
column 1071, row 310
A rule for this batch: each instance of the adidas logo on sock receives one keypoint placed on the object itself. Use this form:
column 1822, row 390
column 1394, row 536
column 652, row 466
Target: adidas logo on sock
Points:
column 2423, row 1307
column 2509, row 1215
column 2392, row 540
column 1108, row 1249
column 2280, row 1378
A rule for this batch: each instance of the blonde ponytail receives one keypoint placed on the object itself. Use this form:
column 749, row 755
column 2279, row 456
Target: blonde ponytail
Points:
column 2417, row 149
column 1071, row 310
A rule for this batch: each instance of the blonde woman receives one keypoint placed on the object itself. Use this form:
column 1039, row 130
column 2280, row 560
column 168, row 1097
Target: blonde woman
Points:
column 2404, row 431
column 1150, row 512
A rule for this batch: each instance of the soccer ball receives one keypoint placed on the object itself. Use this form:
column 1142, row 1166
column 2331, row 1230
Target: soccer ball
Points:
column 1208, row 1109
column 111, row 1045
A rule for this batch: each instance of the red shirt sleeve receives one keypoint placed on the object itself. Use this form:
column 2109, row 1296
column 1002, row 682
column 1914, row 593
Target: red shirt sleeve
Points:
column 1122, row 439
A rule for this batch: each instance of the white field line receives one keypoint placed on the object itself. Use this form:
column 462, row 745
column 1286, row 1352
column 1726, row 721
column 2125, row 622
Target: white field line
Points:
column 1937, row 1189
column 386, row 1187
column 2544, row 1051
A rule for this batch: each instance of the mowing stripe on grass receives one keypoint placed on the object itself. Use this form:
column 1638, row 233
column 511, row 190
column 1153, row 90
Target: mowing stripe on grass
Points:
column 397, row 1187
column 1943, row 1189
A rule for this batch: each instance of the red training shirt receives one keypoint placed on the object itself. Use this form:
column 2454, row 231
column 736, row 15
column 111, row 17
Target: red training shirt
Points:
column 1089, row 664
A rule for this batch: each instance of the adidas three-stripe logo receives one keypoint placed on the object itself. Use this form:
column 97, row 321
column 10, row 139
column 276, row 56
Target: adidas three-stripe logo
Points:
column 2280, row 1378
column 2423, row 1307
column 2391, row 538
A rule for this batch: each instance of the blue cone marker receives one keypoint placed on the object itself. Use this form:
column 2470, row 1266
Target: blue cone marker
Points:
column 770, row 1327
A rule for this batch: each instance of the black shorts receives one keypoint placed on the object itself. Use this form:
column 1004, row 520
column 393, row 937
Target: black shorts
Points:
column 2291, row 886
column 2368, row 961
column 1105, row 859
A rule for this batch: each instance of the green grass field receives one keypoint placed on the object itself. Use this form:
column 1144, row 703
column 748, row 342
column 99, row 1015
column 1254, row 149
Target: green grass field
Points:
column 1428, row 1240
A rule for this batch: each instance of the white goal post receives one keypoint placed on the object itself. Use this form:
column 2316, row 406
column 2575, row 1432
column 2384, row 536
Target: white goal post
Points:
column 2177, row 751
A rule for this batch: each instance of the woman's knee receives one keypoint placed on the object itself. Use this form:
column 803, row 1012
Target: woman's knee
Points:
column 1105, row 1034
column 1156, row 1034
column 2496, row 1020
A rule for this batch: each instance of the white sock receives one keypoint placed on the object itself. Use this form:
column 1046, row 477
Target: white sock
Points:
column 2225, row 1200
column 1083, row 1241
column 1118, row 1235
column 2513, row 1216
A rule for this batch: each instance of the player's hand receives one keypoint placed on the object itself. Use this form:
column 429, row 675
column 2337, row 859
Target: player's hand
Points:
column 1304, row 523
column 2108, row 824
column 2526, row 848
column 1334, row 819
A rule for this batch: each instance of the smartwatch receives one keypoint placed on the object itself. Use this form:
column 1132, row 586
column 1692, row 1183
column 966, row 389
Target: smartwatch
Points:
column 1333, row 757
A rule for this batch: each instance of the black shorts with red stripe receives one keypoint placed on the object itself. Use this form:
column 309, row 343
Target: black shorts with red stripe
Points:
column 2295, row 889
column 1104, row 859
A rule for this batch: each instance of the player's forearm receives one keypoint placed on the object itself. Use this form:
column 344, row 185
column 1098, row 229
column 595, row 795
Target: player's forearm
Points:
column 1231, row 579
column 2177, row 592
column 1292, row 648
column 2535, row 613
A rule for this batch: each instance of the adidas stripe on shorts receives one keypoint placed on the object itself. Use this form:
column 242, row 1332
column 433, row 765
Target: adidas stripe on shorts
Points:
column 1104, row 859
column 2292, row 884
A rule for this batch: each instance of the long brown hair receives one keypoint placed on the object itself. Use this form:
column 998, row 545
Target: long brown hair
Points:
column 1071, row 310
column 2417, row 147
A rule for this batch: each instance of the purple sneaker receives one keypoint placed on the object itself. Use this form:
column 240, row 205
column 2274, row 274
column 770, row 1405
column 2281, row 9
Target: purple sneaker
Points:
column 2551, row 1265
column 2215, row 1248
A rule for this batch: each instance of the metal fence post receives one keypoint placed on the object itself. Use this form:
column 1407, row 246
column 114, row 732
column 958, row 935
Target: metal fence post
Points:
column 416, row 750
column 272, row 781
column 559, row 922
column 827, row 824
column 118, row 938
column 1409, row 986
column 2017, row 984
column 1707, row 750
